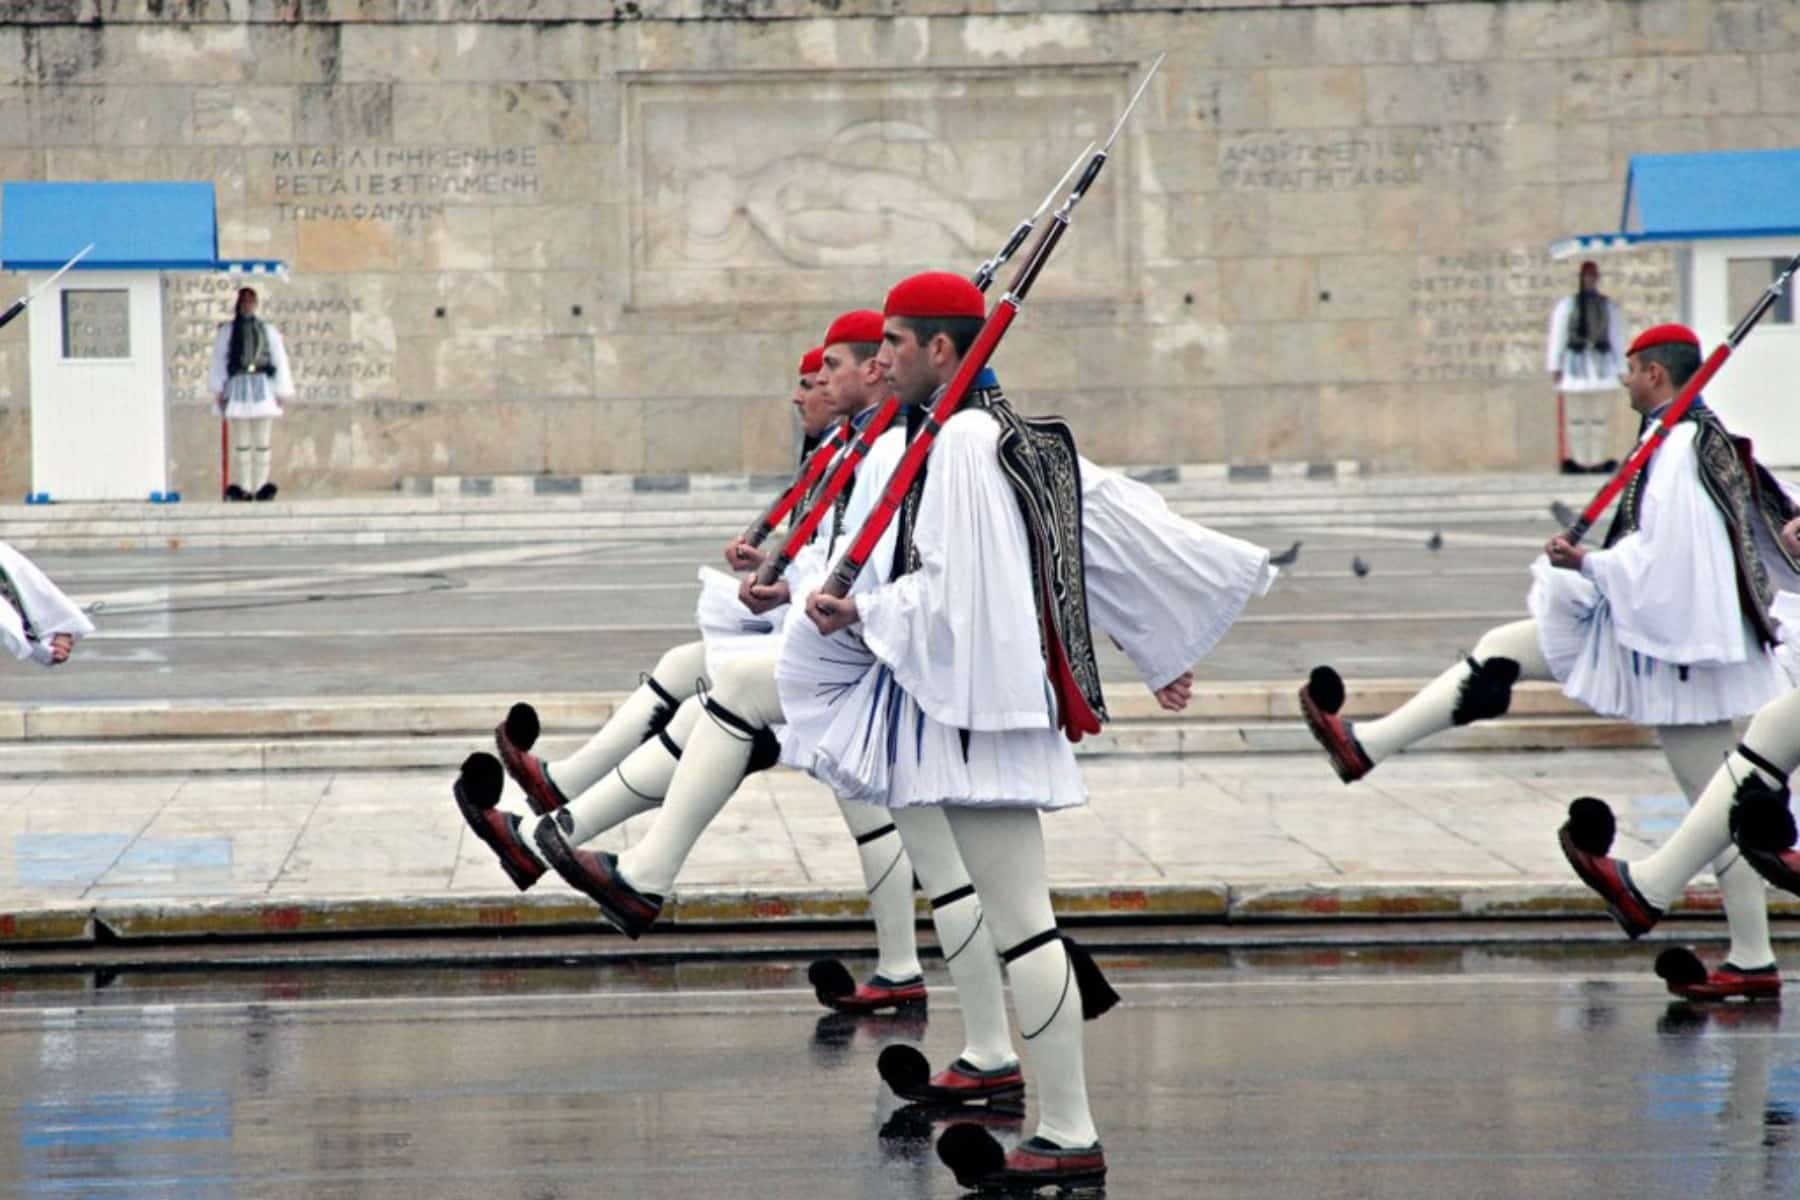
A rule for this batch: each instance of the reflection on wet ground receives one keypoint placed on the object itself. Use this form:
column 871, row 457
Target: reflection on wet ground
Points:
column 1312, row 1071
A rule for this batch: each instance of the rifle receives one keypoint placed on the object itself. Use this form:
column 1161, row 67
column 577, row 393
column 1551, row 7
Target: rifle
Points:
column 1682, row 402
column 18, row 306
column 815, row 466
column 802, row 533
column 992, row 330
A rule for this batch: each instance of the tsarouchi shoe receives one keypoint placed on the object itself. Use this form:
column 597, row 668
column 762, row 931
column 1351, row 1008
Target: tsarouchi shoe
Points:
column 975, row 1157
column 905, row 1071
column 514, row 738
column 597, row 877
column 835, row 989
column 1321, row 697
column 1686, row 976
column 1585, row 839
column 477, row 791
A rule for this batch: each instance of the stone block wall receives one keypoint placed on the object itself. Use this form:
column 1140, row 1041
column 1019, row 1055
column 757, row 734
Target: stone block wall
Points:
column 551, row 235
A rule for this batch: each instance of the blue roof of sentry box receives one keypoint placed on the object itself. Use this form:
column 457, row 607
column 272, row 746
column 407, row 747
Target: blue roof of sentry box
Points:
column 1699, row 197
column 133, row 227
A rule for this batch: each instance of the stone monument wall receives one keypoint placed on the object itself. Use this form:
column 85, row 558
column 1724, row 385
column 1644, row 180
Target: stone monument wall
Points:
column 568, row 236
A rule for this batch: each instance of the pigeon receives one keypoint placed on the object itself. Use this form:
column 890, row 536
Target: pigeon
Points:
column 1436, row 542
column 1358, row 567
column 1287, row 557
column 1565, row 516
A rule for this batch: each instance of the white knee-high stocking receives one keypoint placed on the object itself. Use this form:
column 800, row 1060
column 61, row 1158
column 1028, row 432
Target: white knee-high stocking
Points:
column 679, row 673
column 1704, row 836
column 1432, row 709
column 962, row 934
column 1003, row 849
column 888, row 878
column 635, row 785
column 712, row 766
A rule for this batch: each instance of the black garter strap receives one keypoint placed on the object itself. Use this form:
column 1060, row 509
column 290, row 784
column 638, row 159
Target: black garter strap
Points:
column 765, row 747
column 724, row 716
column 863, row 839
column 952, row 896
column 1762, row 764
column 1029, row 944
column 669, row 743
column 665, row 709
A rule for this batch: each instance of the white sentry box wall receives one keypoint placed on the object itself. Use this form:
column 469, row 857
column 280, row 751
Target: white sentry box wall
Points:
column 99, row 425
column 1757, row 391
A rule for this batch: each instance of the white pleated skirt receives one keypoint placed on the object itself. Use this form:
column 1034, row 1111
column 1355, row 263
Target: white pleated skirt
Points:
column 882, row 748
column 250, row 398
column 1576, row 634
column 730, row 630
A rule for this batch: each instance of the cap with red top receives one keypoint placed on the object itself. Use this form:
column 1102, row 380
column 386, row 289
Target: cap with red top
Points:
column 935, row 294
column 812, row 360
column 862, row 325
column 1664, row 335
column 1590, row 265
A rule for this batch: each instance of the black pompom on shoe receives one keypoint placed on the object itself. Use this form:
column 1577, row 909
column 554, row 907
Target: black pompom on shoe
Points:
column 266, row 491
column 830, row 979
column 481, row 780
column 523, row 726
column 1591, row 825
column 1326, row 687
column 971, row 1153
column 903, row 1069
column 1680, row 967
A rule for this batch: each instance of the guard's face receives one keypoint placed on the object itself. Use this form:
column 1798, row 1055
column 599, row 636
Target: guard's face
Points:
column 1590, row 281
column 842, row 380
column 815, row 408
column 1644, row 382
column 905, row 363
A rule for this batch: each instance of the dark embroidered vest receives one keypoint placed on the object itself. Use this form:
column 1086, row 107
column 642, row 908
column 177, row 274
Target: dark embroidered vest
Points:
column 1745, row 494
column 9, row 593
column 1039, row 459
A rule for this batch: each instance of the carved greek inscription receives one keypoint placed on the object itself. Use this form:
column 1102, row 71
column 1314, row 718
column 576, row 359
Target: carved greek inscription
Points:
column 1325, row 161
column 397, row 183
column 332, row 363
column 1485, row 315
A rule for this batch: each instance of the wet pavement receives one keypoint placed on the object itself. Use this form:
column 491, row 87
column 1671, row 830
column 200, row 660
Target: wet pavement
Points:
column 1316, row 1071
column 269, row 622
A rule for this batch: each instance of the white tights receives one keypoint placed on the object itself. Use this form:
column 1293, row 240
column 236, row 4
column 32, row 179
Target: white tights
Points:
column 680, row 672
column 251, row 438
column 1003, row 849
column 1693, row 752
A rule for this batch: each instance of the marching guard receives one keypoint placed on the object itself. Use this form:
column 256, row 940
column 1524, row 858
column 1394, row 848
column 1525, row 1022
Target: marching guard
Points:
column 1667, row 626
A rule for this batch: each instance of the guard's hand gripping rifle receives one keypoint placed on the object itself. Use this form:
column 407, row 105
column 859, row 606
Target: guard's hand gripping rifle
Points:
column 998, row 321
column 1680, row 405
column 802, row 533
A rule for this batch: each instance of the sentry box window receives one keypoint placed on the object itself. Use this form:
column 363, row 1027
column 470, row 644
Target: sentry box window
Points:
column 96, row 323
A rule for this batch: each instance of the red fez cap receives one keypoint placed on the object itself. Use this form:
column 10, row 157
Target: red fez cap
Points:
column 1590, row 265
column 1665, row 335
column 812, row 360
column 863, row 325
column 935, row 294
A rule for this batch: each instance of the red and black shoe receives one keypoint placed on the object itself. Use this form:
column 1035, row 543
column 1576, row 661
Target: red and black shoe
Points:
column 1321, row 698
column 1689, row 978
column 477, row 791
column 597, row 877
column 514, row 738
column 1585, row 838
column 836, row 990
column 905, row 1070
column 975, row 1157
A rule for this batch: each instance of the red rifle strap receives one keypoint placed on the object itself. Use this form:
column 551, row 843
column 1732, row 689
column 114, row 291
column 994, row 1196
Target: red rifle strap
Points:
column 840, row 479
